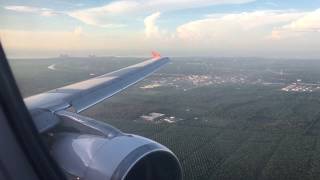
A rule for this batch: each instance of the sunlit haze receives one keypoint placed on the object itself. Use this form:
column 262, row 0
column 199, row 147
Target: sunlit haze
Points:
column 263, row 28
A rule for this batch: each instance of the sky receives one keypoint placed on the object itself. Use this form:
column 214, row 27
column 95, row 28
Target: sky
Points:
column 228, row 28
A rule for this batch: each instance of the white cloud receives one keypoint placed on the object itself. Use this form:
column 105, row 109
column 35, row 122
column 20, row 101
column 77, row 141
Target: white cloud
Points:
column 151, row 29
column 169, row 5
column 306, row 24
column 104, row 16
column 245, row 25
column 107, row 15
column 22, row 8
column 48, row 13
column 30, row 9
column 245, row 33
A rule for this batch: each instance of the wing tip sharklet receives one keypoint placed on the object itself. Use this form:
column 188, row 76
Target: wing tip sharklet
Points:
column 155, row 55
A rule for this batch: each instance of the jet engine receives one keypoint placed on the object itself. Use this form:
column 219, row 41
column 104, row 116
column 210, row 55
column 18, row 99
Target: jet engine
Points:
column 92, row 150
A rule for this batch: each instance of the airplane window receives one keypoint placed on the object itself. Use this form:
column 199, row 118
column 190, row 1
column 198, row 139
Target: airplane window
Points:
column 171, row 89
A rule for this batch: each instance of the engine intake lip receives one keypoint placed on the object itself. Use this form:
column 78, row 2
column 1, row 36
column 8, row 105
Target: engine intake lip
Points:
column 152, row 161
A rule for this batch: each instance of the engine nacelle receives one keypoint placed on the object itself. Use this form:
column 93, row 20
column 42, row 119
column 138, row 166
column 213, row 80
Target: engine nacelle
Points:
column 93, row 150
column 124, row 157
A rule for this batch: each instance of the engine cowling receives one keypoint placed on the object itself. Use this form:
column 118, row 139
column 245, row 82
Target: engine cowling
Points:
column 125, row 157
column 93, row 150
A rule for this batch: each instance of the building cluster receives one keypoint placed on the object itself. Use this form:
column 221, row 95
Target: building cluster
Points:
column 155, row 117
column 301, row 87
column 193, row 81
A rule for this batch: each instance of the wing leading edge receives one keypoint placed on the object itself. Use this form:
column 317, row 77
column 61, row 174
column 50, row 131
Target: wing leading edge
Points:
column 82, row 95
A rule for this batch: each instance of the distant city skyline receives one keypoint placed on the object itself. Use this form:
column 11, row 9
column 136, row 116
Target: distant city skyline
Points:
column 255, row 28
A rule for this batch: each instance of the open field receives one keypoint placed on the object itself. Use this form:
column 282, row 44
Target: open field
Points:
column 232, row 118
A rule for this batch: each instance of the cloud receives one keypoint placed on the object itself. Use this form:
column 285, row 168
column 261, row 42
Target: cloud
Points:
column 242, row 33
column 151, row 29
column 22, row 9
column 104, row 16
column 110, row 14
column 245, row 25
column 169, row 5
column 252, row 33
column 34, row 10
column 308, row 23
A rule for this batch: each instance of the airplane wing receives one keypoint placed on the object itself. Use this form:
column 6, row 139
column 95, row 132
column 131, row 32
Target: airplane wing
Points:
column 80, row 96
column 85, row 148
